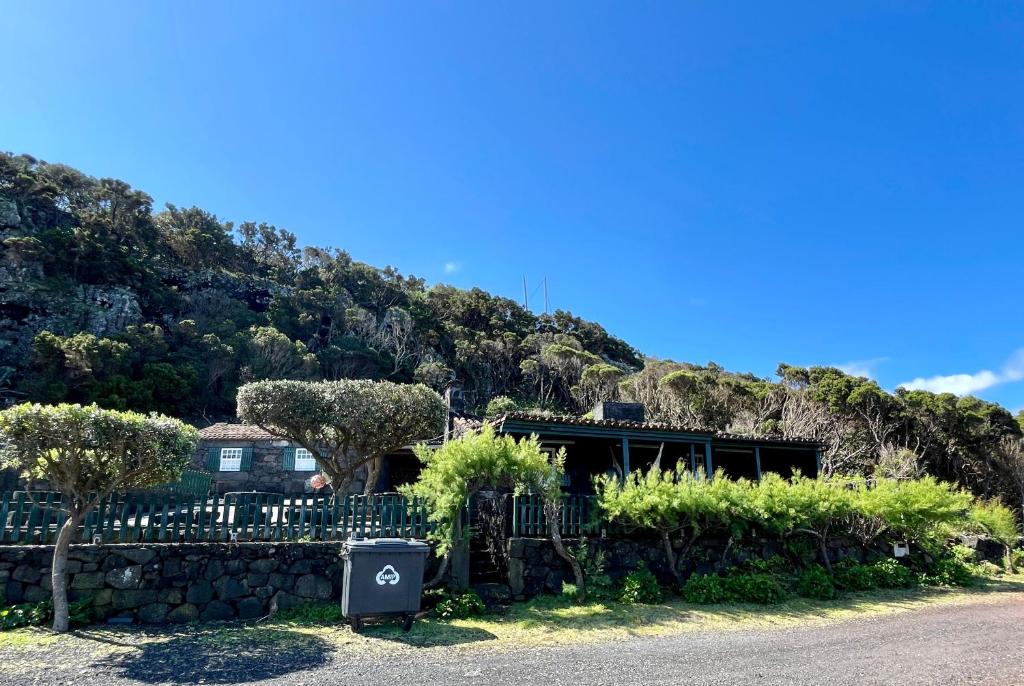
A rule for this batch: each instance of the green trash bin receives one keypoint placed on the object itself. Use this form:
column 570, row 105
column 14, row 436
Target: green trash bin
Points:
column 383, row 577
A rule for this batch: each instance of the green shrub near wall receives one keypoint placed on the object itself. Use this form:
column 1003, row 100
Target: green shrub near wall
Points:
column 677, row 505
column 814, row 582
column 640, row 586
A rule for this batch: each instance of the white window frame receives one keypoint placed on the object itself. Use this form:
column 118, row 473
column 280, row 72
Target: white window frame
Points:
column 304, row 458
column 230, row 460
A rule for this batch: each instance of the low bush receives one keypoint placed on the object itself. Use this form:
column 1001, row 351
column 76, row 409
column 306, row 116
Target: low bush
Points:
column 850, row 575
column 987, row 568
column 814, row 582
column 640, row 587
column 591, row 559
column 763, row 589
column 37, row 614
column 701, row 589
column 738, row 587
column 889, row 573
column 460, row 606
column 950, row 571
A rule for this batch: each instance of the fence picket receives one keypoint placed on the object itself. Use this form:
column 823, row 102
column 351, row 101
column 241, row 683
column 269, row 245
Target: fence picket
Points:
column 179, row 517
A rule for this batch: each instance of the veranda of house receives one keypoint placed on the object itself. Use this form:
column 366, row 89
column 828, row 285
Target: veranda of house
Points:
column 618, row 445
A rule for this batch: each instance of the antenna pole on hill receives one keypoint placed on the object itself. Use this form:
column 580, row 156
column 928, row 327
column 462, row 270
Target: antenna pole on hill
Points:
column 545, row 295
column 526, row 298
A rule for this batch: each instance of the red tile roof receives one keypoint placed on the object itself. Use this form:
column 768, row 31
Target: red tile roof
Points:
column 223, row 431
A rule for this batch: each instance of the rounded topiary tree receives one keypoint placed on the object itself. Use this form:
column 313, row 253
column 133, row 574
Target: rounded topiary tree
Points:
column 87, row 453
column 346, row 425
column 480, row 459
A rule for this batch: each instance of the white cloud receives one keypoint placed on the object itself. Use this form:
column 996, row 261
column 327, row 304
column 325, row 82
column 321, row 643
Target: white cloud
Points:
column 864, row 368
column 452, row 267
column 964, row 384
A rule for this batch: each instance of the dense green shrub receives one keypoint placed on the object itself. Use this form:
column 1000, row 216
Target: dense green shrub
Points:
column 453, row 472
column 705, row 589
column 500, row 405
column 738, row 587
column 763, row 589
column 889, row 573
column 850, row 575
column 460, row 606
column 25, row 614
column 814, row 582
column 80, row 613
column 922, row 511
column 672, row 503
column 640, row 587
column 950, row 571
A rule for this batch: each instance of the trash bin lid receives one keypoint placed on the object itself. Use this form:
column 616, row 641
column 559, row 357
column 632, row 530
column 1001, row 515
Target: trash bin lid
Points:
column 376, row 543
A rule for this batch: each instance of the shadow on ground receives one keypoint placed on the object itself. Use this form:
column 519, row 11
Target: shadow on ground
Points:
column 428, row 633
column 218, row 657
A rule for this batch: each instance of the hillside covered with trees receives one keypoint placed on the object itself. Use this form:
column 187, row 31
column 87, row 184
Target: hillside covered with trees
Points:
column 105, row 299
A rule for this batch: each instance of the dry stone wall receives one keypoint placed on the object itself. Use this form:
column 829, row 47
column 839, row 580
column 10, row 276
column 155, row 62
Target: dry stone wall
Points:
column 160, row 583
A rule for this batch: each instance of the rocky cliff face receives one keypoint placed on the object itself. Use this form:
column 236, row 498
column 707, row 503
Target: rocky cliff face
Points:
column 28, row 305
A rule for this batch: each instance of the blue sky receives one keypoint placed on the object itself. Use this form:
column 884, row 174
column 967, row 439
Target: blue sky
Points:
column 749, row 183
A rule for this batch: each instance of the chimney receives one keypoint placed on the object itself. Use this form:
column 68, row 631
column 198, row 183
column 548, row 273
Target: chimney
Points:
column 629, row 412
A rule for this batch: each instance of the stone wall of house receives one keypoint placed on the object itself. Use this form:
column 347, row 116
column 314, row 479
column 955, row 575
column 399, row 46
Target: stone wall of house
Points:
column 159, row 583
column 267, row 475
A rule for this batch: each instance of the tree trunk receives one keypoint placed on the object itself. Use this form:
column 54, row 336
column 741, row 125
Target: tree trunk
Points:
column 446, row 560
column 824, row 555
column 554, row 527
column 58, row 573
column 725, row 553
column 441, row 569
column 670, row 556
column 372, row 474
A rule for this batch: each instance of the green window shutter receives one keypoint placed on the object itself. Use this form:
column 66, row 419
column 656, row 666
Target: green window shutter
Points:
column 289, row 459
column 213, row 459
column 246, row 459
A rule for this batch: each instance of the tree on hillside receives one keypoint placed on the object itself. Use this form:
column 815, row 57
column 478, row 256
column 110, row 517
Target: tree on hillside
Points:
column 87, row 453
column 704, row 397
column 275, row 356
column 346, row 425
column 1010, row 458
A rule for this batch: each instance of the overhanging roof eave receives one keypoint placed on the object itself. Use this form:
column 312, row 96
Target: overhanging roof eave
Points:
column 554, row 427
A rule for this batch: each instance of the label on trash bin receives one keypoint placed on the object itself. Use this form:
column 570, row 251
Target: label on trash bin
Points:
column 388, row 575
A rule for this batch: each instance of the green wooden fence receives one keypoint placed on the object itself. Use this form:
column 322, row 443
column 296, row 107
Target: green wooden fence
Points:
column 579, row 516
column 177, row 518
column 191, row 482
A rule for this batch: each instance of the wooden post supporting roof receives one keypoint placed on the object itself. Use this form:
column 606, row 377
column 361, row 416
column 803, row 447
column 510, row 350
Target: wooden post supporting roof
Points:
column 757, row 459
column 693, row 459
column 625, row 456
column 708, row 471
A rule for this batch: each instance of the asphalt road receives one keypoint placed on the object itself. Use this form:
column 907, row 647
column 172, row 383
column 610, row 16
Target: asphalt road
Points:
column 964, row 644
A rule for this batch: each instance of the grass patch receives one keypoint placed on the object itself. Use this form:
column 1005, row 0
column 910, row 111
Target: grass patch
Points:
column 549, row 620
